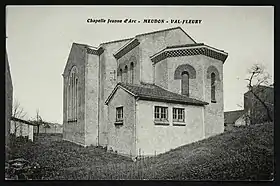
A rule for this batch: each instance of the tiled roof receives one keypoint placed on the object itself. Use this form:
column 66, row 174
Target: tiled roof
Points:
column 232, row 116
column 189, row 50
column 185, row 45
column 155, row 93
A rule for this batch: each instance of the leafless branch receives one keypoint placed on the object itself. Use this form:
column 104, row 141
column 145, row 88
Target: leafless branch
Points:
column 17, row 112
column 258, row 74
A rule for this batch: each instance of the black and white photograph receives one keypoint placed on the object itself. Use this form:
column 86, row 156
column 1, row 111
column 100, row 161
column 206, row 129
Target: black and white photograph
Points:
column 139, row 93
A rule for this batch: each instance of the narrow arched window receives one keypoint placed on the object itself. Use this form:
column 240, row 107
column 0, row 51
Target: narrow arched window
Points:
column 185, row 83
column 213, row 88
column 125, row 74
column 68, row 100
column 121, row 75
column 131, row 72
column 72, row 95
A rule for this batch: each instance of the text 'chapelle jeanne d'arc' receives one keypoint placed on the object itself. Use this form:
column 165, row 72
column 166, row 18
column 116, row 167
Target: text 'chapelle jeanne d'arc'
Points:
column 177, row 21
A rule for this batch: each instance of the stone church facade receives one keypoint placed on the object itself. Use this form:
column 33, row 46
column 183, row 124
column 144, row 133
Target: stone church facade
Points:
column 143, row 95
column 8, row 104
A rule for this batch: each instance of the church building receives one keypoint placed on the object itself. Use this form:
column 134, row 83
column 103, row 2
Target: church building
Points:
column 143, row 95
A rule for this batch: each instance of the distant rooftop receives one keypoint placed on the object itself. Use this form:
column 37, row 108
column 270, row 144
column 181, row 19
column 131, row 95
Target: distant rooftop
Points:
column 232, row 116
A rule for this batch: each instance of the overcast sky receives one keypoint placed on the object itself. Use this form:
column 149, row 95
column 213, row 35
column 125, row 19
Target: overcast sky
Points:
column 40, row 37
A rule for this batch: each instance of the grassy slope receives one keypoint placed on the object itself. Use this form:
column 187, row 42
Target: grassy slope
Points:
column 58, row 156
column 244, row 154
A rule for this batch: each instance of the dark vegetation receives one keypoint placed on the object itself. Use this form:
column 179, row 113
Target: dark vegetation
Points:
column 245, row 153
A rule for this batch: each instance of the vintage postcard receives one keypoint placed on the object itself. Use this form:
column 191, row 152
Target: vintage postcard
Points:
column 139, row 93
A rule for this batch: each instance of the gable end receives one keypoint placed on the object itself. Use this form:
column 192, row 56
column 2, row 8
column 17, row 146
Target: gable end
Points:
column 126, row 48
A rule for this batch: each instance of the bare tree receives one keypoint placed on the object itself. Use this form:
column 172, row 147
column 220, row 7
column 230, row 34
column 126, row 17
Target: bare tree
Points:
column 258, row 76
column 17, row 112
column 39, row 120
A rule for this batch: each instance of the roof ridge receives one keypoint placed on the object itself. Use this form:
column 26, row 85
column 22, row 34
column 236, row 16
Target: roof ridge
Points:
column 167, row 29
column 147, row 33
column 162, row 30
column 114, row 41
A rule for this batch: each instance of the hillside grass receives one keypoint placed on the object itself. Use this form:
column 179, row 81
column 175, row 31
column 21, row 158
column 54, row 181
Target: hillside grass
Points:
column 245, row 153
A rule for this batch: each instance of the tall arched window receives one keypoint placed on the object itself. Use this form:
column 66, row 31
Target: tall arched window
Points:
column 131, row 72
column 185, row 83
column 213, row 91
column 76, row 99
column 72, row 95
column 125, row 74
column 121, row 79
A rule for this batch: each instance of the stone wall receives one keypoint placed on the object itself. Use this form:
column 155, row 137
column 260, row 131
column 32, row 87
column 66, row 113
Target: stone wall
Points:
column 153, row 139
column 153, row 43
column 52, row 130
column 161, row 74
column 108, row 64
column 91, row 99
column 22, row 129
column 75, row 131
column 196, row 85
column 214, row 112
column 98, row 77
column 8, row 100
column 121, row 137
column 199, row 87
column 131, row 56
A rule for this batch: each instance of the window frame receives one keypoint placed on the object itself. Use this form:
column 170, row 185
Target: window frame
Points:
column 121, row 75
column 119, row 120
column 213, row 80
column 72, row 96
column 185, row 90
column 131, row 72
column 126, row 74
column 161, row 114
column 176, row 114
